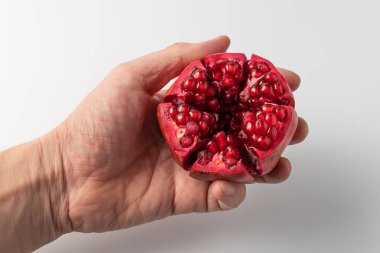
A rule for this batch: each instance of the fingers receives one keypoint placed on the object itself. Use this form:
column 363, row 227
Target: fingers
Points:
column 160, row 67
column 279, row 174
column 292, row 78
column 301, row 131
column 223, row 195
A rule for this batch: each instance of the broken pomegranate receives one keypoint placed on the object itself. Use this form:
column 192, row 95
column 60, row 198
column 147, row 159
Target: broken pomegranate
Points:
column 227, row 117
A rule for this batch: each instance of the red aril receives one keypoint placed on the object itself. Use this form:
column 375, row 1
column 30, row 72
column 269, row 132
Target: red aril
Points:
column 226, row 117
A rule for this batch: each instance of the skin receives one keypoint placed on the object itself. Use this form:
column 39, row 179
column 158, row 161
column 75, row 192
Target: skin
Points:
column 107, row 166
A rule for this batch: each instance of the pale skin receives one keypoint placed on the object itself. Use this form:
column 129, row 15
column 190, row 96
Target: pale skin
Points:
column 107, row 166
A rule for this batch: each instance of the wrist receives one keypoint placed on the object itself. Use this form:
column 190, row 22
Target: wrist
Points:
column 50, row 150
column 33, row 209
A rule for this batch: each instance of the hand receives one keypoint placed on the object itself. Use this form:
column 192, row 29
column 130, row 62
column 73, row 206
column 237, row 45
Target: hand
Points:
column 118, row 169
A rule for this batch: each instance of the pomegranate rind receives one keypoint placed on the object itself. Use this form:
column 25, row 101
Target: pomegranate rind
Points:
column 215, row 171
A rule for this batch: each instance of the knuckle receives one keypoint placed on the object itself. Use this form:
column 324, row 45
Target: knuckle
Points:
column 179, row 46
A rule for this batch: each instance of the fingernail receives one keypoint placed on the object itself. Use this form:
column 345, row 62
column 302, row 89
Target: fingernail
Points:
column 229, row 189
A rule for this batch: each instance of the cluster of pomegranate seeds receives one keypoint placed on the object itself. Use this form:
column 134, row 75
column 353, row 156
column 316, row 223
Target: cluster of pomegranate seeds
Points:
column 260, row 129
column 221, row 143
column 237, row 110
column 199, row 92
column 192, row 122
column 227, row 76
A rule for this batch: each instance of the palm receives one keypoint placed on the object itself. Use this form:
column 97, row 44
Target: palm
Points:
column 120, row 164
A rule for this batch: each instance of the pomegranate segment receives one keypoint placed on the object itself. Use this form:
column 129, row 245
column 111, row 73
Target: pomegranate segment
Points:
column 186, row 129
column 226, row 73
column 264, row 85
column 194, row 89
column 227, row 117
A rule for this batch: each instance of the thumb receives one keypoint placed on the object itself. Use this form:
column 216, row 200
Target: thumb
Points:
column 158, row 68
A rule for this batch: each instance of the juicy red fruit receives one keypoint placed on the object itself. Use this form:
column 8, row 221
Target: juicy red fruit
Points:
column 227, row 117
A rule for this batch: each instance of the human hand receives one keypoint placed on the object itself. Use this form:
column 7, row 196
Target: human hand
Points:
column 117, row 168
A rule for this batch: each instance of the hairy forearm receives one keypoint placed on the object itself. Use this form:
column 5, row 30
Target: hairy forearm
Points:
column 32, row 195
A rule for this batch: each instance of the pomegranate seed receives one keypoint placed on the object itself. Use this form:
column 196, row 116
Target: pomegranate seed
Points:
column 227, row 82
column 221, row 62
column 183, row 109
column 271, row 119
column 254, row 91
column 189, row 84
column 210, row 118
column 199, row 75
column 195, row 115
column 239, row 115
column 264, row 142
column 266, row 90
column 243, row 106
column 239, row 76
column 188, row 96
column 204, row 129
column 234, row 89
column 231, row 162
column 249, row 128
column 261, row 127
column 227, row 97
column 206, row 117
column 172, row 111
column 286, row 101
column 262, row 67
column 256, row 73
column 268, row 108
column 281, row 113
column 212, row 147
column 263, row 100
column 200, row 98
column 221, row 140
column 232, row 140
column 192, row 128
column 271, row 77
column 253, row 102
column 250, row 66
column 278, row 89
column 242, row 98
column 202, row 86
column 186, row 141
column 254, row 138
column 210, row 92
column 232, row 68
column 272, row 133
column 217, row 75
column 204, row 157
column 213, row 103
column 181, row 119
column 234, row 126
column 231, row 152
column 260, row 115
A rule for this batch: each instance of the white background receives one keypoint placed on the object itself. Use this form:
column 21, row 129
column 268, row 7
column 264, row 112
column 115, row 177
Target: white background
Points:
column 52, row 53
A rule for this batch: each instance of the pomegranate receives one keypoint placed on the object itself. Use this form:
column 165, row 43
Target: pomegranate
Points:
column 226, row 117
